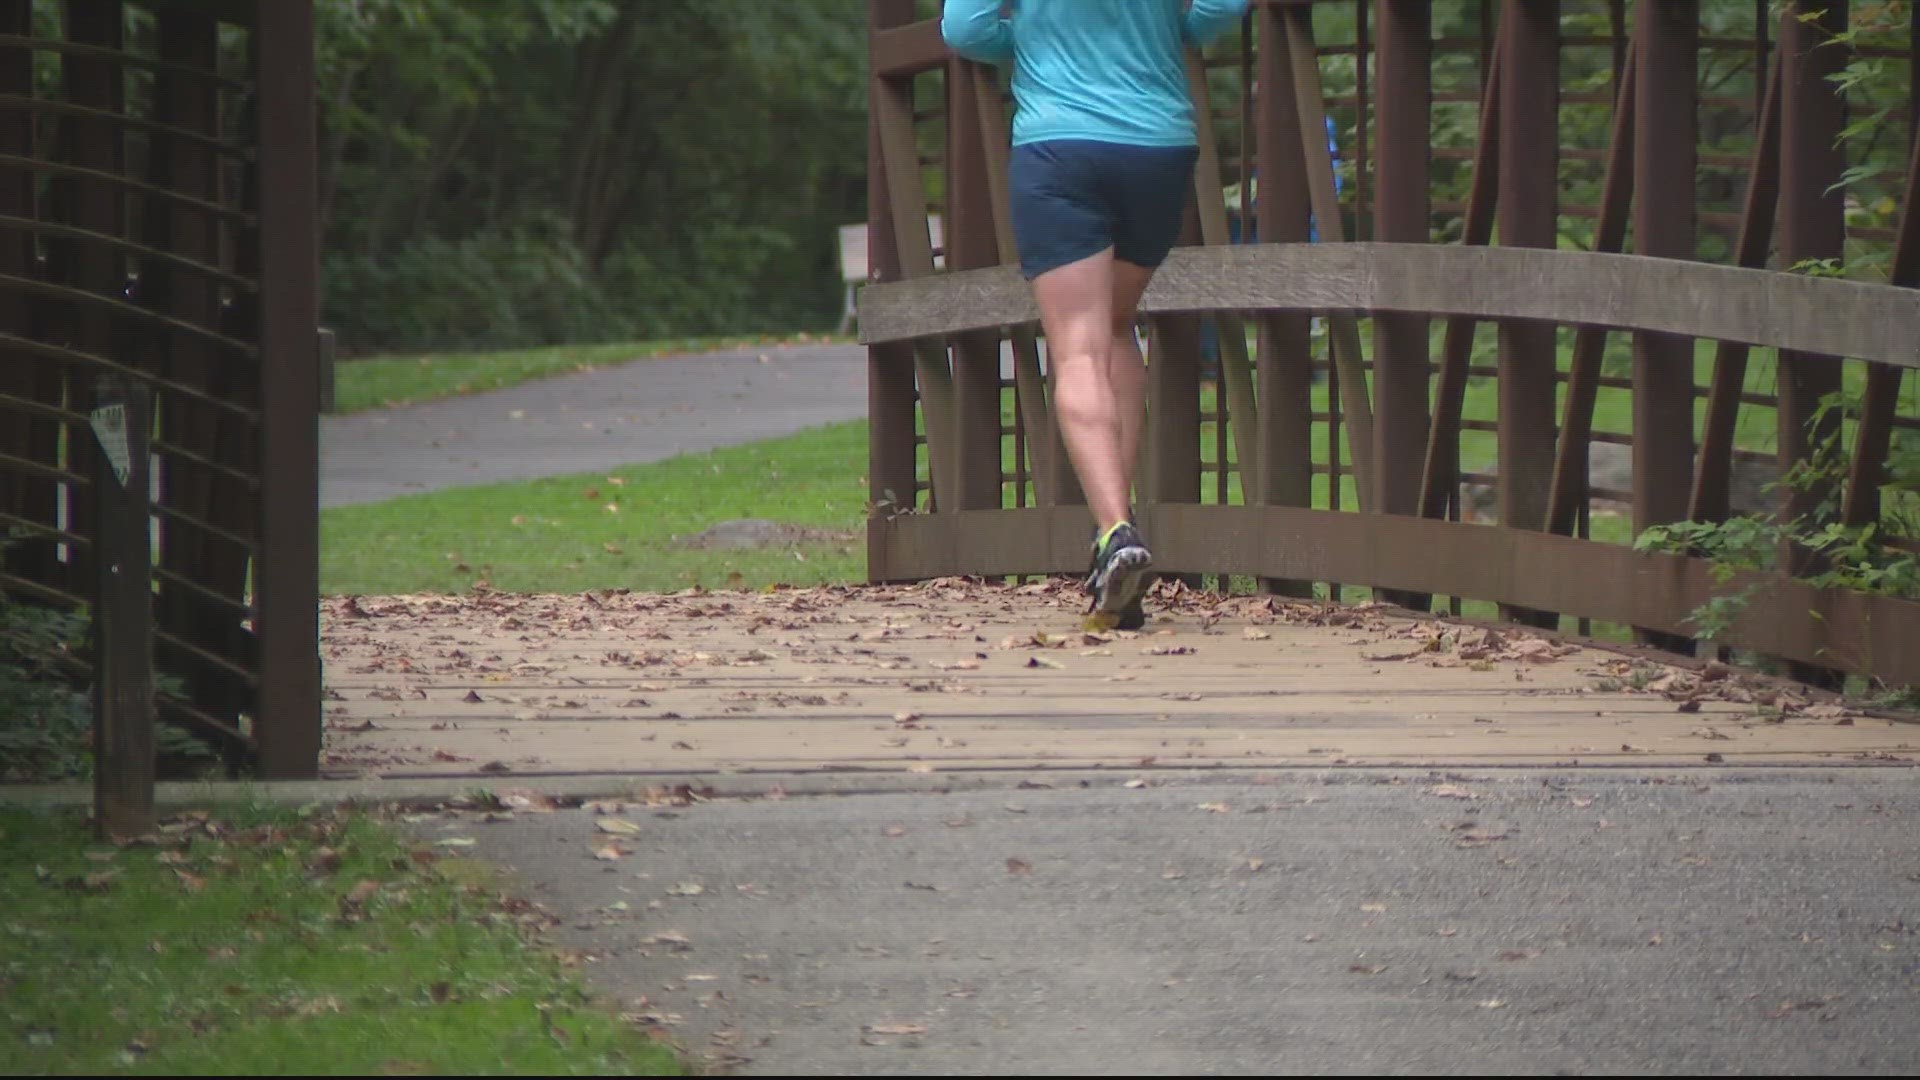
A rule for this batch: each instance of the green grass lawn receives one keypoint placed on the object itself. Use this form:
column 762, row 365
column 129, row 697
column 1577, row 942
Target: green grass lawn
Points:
column 275, row 942
column 383, row 381
column 619, row 529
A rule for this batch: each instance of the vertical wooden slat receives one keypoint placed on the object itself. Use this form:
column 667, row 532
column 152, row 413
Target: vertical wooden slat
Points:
column 891, row 469
column 1363, row 228
column 1667, row 39
column 1235, row 399
column 907, row 202
column 1400, row 362
column 1440, row 468
column 1172, row 443
column 286, row 576
column 1567, row 498
column 1714, row 467
column 1530, row 150
column 1285, row 361
column 1343, row 331
column 971, row 244
column 1880, row 400
column 1400, row 372
column 1812, row 225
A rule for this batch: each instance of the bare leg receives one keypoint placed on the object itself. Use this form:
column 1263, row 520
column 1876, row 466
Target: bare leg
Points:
column 1127, row 369
column 1076, row 311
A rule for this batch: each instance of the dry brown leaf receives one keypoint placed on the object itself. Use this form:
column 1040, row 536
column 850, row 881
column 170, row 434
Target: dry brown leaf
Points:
column 1451, row 791
column 617, row 826
column 1019, row 866
column 897, row 1029
column 894, row 830
column 1254, row 633
column 1368, row 969
column 1214, row 807
column 608, row 852
column 193, row 883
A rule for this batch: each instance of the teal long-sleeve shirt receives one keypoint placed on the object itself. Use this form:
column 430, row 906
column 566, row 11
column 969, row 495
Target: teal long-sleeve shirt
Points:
column 1107, row 70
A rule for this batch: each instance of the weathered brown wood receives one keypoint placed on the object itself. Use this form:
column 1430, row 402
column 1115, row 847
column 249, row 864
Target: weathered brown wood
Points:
column 901, row 51
column 1880, row 400
column 907, row 202
column 123, row 620
column 1343, row 332
column 971, row 243
column 287, row 574
column 1236, row 406
column 1284, row 363
column 1440, row 467
column 1400, row 372
column 891, row 469
column 1522, row 568
column 1627, row 292
column 1530, row 149
column 1713, row 470
column 1663, row 164
column 1171, row 446
column 1568, row 493
column 1812, row 224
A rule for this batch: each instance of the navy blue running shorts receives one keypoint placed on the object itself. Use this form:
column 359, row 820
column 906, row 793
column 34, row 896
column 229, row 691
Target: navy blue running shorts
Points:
column 1072, row 198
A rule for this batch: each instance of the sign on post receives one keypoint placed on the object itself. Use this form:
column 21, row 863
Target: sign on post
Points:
column 123, row 740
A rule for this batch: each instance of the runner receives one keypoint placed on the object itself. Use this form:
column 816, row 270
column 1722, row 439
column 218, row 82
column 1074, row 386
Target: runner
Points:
column 1104, row 146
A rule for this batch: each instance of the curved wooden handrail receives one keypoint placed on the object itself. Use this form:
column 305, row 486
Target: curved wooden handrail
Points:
column 1628, row 292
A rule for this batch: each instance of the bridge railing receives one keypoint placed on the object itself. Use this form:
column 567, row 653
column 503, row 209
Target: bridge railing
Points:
column 1514, row 566
column 1620, row 392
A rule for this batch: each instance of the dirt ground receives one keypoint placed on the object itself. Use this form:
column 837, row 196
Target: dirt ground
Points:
column 954, row 675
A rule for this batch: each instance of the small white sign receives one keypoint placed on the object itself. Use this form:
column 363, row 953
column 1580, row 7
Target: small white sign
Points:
column 110, row 427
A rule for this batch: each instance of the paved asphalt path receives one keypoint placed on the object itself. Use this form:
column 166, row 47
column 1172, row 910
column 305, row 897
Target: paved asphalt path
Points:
column 638, row 412
column 1487, row 921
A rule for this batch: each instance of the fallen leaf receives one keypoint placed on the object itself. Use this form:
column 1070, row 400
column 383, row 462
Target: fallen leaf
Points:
column 1511, row 955
column 1374, row 907
column 897, row 1029
column 193, row 883
column 1019, row 866
column 1254, row 633
column 1581, row 802
column 1174, row 875
column 1214, row 807
column 1368, row 969
column 616, row 826
column 894, row 830
column 473, row 697
column 687, row 888
column 1493, row 1003
column 1450, row 791
column 1045, row 662
column 608, row 853
column 920, row 767
column 1136, row 782
column 359, row 894
column 922, row 887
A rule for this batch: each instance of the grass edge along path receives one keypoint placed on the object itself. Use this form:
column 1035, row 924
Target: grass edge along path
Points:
column 382, row 382
column 250, row 939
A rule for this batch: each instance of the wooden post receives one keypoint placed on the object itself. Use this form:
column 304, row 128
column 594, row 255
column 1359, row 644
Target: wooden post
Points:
column 287, row 573
column 1283, row 398
column 1665, row 107
column 1530, row 157
column 1400, row 372
column 891, row 469
column 122, row 612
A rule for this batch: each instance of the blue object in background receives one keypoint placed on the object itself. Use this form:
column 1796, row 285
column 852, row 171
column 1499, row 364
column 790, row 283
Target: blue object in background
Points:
column 1209, row 332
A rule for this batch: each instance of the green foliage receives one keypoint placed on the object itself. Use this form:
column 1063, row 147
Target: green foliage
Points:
column 45, row 722
column 526, row 172
column 1875, row 558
